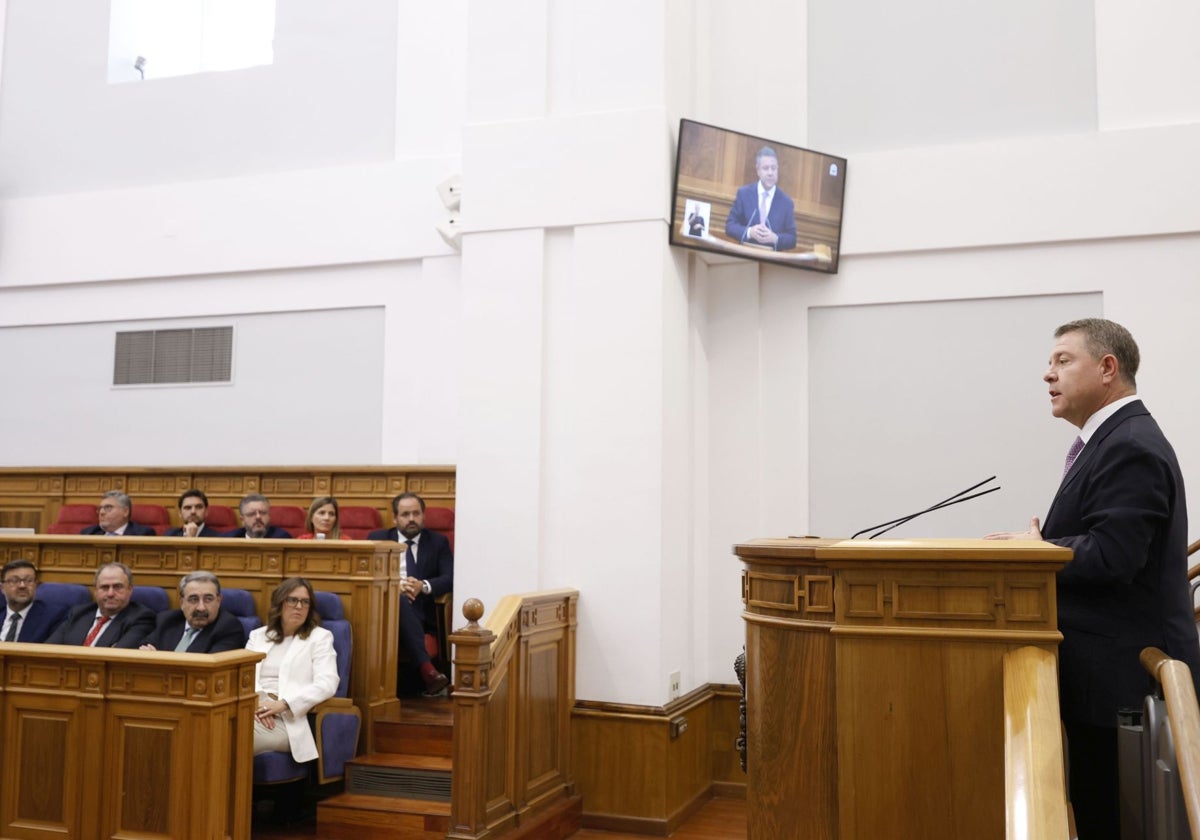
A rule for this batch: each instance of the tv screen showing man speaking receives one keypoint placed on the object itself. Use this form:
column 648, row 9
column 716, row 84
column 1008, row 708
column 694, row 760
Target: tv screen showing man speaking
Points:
column 748, row 196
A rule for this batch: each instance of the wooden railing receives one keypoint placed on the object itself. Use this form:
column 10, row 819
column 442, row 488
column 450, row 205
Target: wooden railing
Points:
column 1035, row 790
column 513, row 694
column 1184, row 715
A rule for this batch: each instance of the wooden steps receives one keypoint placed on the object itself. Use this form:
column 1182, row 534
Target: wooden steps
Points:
column 401, row 791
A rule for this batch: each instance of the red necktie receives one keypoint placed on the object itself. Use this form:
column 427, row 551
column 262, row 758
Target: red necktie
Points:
column 91, row 637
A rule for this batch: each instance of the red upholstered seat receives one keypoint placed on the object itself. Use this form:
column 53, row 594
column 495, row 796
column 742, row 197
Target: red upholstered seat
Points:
column 288, row 517
column 441, row 519
column 221, row 518
column 356, row 522
column 152, row 516
column 73, row 518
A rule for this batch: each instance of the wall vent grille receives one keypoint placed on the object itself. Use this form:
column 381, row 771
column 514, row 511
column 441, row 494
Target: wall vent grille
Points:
column 160, row 357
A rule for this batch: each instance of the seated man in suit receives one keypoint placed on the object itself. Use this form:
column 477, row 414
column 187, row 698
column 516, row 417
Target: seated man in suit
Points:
column 113, row 621
column 429, row 571
column 256, row 520
column 23, row 619
column 113, row 513
column 193, row 510
column 762, row 213
column 198, row 626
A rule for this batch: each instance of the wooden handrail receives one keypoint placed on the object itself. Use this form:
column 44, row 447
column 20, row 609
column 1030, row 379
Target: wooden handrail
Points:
column 1034, row 781
column 1184, row 715
column 513, row 695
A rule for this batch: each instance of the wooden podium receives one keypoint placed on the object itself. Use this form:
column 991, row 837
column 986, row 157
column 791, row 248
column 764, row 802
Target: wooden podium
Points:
column 874, row 682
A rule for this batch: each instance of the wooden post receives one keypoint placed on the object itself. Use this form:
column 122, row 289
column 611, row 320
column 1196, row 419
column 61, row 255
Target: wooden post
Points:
column 472, row 688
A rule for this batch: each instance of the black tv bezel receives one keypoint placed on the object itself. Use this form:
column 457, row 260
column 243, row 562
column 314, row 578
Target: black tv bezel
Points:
column 675, row 237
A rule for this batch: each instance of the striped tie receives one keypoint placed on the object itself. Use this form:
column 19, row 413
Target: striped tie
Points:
column 1072, row 454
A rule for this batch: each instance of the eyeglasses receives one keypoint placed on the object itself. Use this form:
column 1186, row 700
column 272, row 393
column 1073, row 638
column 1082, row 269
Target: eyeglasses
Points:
column 297, row 602
column 108, row 507
column 19, row 581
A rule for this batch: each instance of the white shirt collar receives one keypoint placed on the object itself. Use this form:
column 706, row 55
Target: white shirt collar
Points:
column 1096, row 420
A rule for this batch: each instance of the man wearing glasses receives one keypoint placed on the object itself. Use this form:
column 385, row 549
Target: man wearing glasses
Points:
column 198, row 626
column 256, row 520
column 23, row 619
column 113, row 513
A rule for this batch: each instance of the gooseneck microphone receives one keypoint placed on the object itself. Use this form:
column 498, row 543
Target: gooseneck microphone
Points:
column 961, row 496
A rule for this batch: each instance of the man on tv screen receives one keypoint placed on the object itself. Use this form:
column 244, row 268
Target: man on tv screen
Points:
column 762, row 214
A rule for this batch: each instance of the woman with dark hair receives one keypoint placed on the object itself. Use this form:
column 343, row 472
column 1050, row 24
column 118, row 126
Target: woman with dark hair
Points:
column 321, row 523
column 299, row 672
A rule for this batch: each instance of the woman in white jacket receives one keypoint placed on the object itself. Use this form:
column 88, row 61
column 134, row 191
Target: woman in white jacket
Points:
column 299, row 672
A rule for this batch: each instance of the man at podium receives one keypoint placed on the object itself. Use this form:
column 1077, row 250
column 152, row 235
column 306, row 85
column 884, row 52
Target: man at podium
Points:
column 1121, row 509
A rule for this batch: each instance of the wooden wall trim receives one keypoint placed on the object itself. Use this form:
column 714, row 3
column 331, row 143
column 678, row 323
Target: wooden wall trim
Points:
column 637, row 772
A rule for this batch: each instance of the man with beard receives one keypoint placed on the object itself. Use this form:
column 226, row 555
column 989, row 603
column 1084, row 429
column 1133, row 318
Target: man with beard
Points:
column 256, row 520
column 429, row 566
column 193, row 510
column 198, row 626
column 23, row 619
column 113, row 621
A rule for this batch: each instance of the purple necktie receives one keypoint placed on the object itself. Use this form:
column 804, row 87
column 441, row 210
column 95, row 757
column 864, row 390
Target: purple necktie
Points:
column 1072, row 454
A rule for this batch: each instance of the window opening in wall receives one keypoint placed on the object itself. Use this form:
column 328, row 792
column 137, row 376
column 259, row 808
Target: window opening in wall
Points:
column 156, row 39
column 156, row 357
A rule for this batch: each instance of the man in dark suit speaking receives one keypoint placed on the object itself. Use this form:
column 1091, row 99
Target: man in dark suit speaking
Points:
column 199, row 625
column 762, row 214
column 1121, row 509
column 429, row 571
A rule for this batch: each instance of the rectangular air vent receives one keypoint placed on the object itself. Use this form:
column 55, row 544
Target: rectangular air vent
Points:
column 155, row 357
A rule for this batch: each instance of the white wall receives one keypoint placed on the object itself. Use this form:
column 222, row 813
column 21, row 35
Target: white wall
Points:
column 619, row 413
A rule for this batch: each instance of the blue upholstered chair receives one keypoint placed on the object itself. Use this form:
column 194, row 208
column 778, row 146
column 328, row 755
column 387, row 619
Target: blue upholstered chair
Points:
column 63, row 594
column 336, row 722
column 239, row 602
column 151, row 597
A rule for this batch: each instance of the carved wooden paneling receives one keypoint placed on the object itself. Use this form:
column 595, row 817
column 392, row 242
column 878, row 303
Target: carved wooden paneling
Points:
column 883, row 720
column 107, row 743
column 31, row 496
column 514, row 688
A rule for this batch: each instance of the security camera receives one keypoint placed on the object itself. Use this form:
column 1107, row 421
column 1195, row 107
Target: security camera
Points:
column 451, row 231
column 450, row 191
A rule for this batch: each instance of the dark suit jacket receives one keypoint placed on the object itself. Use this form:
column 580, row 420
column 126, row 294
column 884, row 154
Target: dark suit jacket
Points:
column 435, row 563
column 226, row 633
column 126, row 630
column 1122, row 510
column 204, row 532
column 274, row 532
column 131, row 530
column 39, row 622
column 744, row 214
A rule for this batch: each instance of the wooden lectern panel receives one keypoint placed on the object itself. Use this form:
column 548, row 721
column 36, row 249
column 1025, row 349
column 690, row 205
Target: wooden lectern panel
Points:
column 874, row 682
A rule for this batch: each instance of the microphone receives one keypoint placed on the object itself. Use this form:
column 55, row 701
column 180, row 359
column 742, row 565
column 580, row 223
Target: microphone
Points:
column 749, row 223
column 958, row 497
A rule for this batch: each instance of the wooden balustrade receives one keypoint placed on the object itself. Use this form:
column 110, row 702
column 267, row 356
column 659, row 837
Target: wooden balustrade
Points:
column 114, row 743
column 513, row 695
column 364, row 575
column 1184, row 715
column 1034, row 780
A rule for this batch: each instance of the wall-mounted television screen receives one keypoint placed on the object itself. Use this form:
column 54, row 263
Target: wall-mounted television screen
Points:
column 746, row 196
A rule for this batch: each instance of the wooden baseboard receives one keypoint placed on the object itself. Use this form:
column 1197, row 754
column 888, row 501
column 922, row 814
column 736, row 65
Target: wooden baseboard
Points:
column 646, row 769
column 555, row 822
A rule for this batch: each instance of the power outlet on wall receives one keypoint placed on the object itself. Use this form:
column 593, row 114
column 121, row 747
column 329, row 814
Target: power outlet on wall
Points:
column 673, row 684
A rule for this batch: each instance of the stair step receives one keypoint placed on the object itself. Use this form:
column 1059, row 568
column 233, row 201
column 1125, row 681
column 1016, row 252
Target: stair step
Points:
column 350, row 816
column 414, row 738
column 402, row 776
column 409, row 762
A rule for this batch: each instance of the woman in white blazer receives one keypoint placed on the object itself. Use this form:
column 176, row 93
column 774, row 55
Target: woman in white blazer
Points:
column 299, row 672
